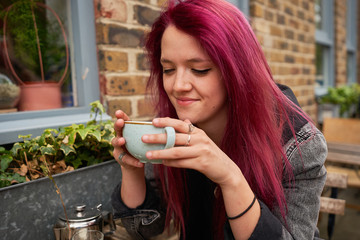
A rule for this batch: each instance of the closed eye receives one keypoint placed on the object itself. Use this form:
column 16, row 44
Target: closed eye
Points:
column 201, row 71
column 168, row 71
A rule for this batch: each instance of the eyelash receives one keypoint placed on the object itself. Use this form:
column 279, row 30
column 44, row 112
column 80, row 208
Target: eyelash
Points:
column 196, row 71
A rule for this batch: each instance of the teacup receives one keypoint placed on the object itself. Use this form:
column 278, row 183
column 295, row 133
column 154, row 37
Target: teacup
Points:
column 134, row 130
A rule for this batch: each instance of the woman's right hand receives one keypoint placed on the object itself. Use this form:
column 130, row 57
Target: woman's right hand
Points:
column 127, row 161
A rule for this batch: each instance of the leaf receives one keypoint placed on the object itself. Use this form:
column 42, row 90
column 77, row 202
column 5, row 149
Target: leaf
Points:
column 83, row 133
column 14, row 150
column 67, row 149
column 48, row 150
column 2, row 149
column 5, row 161
column 97, row 135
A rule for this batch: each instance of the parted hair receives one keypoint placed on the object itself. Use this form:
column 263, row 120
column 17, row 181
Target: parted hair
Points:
column 258, row 111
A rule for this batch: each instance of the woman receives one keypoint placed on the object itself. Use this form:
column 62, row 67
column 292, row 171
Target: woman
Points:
column 251, row 168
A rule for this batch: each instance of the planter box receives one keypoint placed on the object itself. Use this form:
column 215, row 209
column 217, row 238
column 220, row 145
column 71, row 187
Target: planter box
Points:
column 326, row 110
column 29, row 210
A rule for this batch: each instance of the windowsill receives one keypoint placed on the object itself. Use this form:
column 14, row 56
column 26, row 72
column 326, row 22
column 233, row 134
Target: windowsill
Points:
column 10, row 130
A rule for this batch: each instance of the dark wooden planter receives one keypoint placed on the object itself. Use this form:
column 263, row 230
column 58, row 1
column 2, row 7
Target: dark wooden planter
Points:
column 29, row 210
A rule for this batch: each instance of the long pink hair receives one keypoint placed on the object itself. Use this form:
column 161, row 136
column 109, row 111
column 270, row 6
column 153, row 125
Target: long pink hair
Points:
column 257, row 108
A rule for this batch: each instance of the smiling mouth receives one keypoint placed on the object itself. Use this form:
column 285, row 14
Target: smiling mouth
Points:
column 185, row 101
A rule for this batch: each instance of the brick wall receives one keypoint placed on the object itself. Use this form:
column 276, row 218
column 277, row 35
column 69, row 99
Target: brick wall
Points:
column 286, row 31
column 340, row 42
column 120, row 31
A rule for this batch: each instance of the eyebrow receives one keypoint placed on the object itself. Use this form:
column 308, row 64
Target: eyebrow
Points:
column 192, row 60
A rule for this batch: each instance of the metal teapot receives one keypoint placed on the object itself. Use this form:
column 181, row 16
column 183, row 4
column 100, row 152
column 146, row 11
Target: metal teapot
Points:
column 79, row 218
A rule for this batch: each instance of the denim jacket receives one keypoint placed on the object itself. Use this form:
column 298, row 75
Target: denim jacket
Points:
column 302, row 196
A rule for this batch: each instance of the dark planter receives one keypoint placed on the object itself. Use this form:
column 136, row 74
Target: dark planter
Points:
column 29, row 210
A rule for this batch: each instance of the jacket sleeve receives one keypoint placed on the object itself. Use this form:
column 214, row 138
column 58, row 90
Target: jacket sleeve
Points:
column 302, row 194
column 144, row 221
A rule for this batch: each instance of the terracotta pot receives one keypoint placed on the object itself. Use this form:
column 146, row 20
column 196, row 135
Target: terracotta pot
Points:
column 40, row 96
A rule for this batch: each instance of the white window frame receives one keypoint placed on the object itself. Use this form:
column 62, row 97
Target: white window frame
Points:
column 351, row 40
column 325, row 38
column 88, row 90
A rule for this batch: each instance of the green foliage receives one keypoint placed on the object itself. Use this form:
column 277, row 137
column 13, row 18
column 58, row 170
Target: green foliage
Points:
column 345, row 96
column 62, row 150
column 22, row 38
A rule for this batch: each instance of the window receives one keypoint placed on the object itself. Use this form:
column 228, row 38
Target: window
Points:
column 324, row 45
column 82, row 83
column 351, row 46
column 243, row 5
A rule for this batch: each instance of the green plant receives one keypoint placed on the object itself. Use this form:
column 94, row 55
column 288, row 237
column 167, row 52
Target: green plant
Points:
column 34, row 41
column 62, row 150
column 345, row 96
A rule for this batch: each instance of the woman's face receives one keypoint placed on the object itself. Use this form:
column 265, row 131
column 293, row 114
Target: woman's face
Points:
column 191, row 80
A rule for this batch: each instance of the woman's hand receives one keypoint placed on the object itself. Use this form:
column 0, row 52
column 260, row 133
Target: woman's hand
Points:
column 194, row 150
column 126, row 161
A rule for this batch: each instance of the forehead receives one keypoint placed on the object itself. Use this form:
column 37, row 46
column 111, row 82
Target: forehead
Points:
column 176, row 43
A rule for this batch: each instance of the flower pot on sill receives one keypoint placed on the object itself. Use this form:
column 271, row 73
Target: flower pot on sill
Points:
column 40, row 96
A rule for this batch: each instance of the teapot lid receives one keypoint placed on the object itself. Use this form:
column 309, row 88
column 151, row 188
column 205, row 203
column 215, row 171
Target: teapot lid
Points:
column 81, row 214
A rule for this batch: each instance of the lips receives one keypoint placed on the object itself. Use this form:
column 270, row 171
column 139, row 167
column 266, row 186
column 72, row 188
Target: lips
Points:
column 185, row 101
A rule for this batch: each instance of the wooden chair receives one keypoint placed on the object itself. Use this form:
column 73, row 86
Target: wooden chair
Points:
column 342, row 163
column 332, row 205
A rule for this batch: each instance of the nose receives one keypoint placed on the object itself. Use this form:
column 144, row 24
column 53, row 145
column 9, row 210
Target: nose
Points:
column 182, row 81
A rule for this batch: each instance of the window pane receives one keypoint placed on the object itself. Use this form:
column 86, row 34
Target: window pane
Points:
column 318, row 14
column 351, row 67
column 319, row 61
column 35, row 54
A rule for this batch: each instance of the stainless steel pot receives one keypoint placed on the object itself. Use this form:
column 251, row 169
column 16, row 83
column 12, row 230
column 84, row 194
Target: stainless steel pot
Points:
column 81, row 217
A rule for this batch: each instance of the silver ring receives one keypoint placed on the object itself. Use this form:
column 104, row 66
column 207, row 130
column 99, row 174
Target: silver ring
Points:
column 188, row 140
column 121, row 156
column 191, row 127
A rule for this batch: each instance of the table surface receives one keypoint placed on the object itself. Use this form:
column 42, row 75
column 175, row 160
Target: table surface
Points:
column 343, row 153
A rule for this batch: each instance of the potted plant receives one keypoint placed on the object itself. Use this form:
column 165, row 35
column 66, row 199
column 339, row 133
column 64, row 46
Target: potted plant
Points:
column 9, row 93
column 35, row 54
column 340, row 101
column 80, row 160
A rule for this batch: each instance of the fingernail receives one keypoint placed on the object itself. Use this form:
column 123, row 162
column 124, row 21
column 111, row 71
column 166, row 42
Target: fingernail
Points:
column 149, row 155
column 145, row 137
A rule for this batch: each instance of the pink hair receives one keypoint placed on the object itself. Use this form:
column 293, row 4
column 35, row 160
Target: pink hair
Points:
column 258, row 109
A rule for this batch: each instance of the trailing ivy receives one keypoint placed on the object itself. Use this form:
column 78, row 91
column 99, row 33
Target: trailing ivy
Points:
column 63, row 149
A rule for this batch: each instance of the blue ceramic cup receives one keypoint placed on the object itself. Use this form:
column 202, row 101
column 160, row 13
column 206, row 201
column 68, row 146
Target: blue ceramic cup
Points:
column 134, row 130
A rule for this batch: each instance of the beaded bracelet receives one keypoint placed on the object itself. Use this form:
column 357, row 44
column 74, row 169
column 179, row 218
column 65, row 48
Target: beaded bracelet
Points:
column 245, row 211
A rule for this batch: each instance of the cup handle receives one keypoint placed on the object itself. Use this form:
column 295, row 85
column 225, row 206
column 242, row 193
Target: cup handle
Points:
column 170, row 137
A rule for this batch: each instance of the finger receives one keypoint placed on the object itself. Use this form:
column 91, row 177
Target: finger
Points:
column 122, row 115
column 178, row 125
column 118, row 142
column 173, row 153
column 129, row 161
column 180, row 139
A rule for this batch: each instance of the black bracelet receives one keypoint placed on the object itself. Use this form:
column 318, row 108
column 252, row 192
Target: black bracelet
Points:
column 246, row 210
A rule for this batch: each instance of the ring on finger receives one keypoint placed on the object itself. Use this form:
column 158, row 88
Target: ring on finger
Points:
column 188, row 140
column 121, row 156
column 191, row 127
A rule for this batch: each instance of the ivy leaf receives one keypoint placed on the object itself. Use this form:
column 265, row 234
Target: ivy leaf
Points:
column 76, row 163
column 97, row 135
column 14, row 150
column 67, row 149
column 48, row 150
column 6, row 159
column 83, row 133
column 2, row 149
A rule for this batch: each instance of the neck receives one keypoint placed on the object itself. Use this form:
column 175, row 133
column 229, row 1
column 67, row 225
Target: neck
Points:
column 215, row 128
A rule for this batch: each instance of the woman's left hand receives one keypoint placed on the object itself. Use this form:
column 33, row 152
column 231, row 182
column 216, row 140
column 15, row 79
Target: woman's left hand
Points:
column 193, row 149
